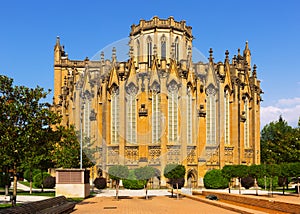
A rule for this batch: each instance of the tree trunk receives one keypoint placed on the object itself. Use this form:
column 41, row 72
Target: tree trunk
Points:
column 256, row 186
column 283, row 186
column 271, row 187
column 229, row 187
column 117, row 190
column 240, row 184
column 14, row 198
column 30, row 182
column 7, row 189
column 42, row 185
column 146, row 191
column 298, row 187
column 177, row 191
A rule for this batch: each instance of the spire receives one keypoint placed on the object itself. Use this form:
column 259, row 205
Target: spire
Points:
column 226, row 56
column 211, row 55
column 113, row 77
column 254, row 74
column 247, row 54
column 173, row 72
column 114, row 56
column 57, row 51
column 132, row 77
column 154, row 75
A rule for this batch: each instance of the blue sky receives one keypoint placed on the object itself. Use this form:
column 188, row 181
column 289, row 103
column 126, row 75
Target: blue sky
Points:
column 29, row 29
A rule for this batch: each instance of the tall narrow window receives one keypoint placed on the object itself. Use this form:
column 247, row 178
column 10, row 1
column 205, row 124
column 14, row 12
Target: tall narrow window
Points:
column 246, row 124
column 149, row 51
column 189, row 118
column 131, row 118
column 173, row 113
column 176, row 48
column 156, row 122
column 163, row 47
column 115, row 109
column 211, row 116
column 138, row 49
column 86, row 118
column 226, row 118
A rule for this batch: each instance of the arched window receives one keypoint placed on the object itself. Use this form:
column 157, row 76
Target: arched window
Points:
column 156, row 115
column 114, row 114
column 211, row 116
column 189, row 117
column 86, row 117
column 173, row 113
column 163, row 47
column 176, row 48
column 149, row 51
column 246, row 124
column 138, row 53
column 226, row 118
column 131, row 112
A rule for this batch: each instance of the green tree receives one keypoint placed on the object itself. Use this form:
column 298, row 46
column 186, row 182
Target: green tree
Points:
column 272, row 170
column 279, row 143
column 256, row 172
column 66, row 149
column 23, row 116
column 213, row 179
column 240, row 171
column 295, row 172
column 117, row 173
column 227, row 174
column 175, row 173
column 145, row 174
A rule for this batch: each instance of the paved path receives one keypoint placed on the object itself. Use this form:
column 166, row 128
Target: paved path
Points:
column 157, row 205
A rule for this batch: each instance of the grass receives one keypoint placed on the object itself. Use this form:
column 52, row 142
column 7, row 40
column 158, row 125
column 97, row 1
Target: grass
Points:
column 26, row 183
column 37, row 193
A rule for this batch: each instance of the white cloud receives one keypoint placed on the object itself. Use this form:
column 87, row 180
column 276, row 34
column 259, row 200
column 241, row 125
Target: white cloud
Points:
column 288, row 108
column 288, row 102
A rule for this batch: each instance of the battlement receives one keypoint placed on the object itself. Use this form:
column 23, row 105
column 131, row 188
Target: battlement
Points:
column 156, row 22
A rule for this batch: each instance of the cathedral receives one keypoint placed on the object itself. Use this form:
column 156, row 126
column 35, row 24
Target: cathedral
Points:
column 159, row 106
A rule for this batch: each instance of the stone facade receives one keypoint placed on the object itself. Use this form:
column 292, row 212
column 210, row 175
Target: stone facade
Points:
column 159, row 106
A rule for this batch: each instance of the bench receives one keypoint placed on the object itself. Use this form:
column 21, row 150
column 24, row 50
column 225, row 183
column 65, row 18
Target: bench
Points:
column 54, row 205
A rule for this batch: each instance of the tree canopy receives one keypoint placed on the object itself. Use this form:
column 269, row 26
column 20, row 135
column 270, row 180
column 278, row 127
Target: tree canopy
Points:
column 280, row 143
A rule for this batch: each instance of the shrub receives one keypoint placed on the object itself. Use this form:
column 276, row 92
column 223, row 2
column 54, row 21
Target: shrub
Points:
column 100, row 183
column 213, row 179
column 37, row 179
column 174, row 181
column 49, row 182
column 4, row 180
column 247, row 182
column 34, row 172
column 132, row 183
column 261, row 182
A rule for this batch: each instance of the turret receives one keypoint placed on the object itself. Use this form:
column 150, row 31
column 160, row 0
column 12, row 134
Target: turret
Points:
column 57, row 51
column 247, row 55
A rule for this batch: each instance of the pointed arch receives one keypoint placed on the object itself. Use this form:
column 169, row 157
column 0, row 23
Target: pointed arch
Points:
column 138, row 50
column 246, row 123
column 173, row 112
column 149, row 51
column 114, row 115
column 227, row 117
column 176, row 49
column 163, row 46
column 211, row 110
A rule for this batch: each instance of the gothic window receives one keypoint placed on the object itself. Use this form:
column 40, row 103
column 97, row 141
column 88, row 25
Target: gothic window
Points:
column 138, row 53
column 163, row 47
column 156, row 122
column 226, row 118
column 115, row 109
column 131, row 112
column 173, row 113
column 189, row 118
column 149, row 51
column 211, row 116
column 176, row 48
column 246, row 124
column 86, row 116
